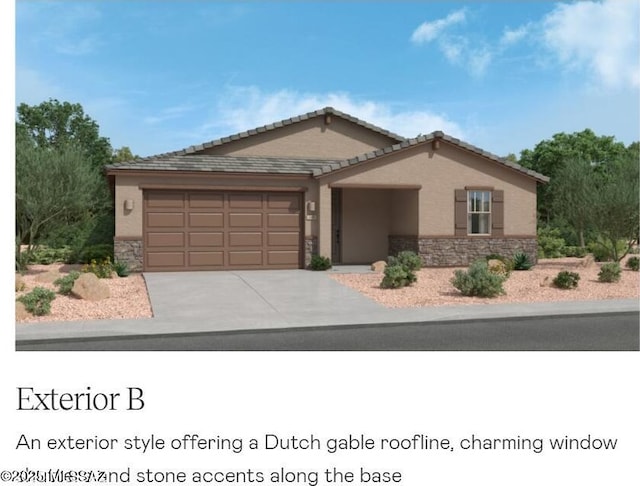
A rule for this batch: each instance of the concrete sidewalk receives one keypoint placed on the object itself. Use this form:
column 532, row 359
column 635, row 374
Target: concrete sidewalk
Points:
column 196, row 302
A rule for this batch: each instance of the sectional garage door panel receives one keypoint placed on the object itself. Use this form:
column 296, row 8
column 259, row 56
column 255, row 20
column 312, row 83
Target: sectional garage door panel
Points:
column 218, row 230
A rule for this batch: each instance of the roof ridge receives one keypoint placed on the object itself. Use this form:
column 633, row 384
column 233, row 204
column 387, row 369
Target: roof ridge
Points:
column 438, row 134
column 278, row 124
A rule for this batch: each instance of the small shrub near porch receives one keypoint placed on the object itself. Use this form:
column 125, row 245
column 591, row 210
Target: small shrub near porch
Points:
column 479, row 280
column 401, row 270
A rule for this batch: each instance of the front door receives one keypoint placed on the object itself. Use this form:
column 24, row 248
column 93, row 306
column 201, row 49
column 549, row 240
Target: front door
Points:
column 336, row 225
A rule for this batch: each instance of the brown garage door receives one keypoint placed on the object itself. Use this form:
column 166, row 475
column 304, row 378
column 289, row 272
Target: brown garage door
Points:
column 207, row 230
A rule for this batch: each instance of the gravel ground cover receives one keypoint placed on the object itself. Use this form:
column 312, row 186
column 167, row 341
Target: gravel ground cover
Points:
column 434, row 288
column 128, row 300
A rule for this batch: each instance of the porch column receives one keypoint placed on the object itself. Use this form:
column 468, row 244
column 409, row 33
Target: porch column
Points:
column 324, row 220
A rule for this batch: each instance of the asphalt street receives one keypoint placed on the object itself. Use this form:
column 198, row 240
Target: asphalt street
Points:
column 595, row 332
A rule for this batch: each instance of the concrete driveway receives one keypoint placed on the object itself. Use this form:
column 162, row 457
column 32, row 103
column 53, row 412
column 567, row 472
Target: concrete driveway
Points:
column 257, row 299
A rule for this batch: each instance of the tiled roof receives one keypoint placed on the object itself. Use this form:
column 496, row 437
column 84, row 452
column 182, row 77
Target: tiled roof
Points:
column 289, row 121
column 221, row 163
column 420, row 140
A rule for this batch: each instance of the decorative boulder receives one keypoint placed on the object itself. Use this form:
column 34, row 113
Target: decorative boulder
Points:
column 89, row 287
column 48, row 277
column 588, row 261
column 379, row 266
column 20, row 285
column 21, row 311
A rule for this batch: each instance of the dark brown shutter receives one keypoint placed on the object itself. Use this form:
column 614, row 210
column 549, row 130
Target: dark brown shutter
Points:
column 461, row 213
column 497, row 213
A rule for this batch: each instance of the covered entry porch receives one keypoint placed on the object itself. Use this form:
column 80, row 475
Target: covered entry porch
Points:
column 364, row 219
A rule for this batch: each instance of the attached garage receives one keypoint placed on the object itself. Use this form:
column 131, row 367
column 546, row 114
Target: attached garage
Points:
column 221, row 230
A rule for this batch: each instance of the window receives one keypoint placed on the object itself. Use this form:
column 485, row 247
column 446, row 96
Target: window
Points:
column 478, row 212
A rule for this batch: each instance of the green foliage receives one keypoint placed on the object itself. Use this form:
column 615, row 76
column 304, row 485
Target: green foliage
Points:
column 566, row 280
column 575, row 251
column 121, row 268
column 38, row 301
column 609, row 272
column 65, row 284
column 521, row 261
column 603, row 250
column 123, row 154
column 633, row 263
column 478, row 281
column 401, row 270
column 99, row 252
column 44, row 255
column 320, row 263
column 550, row 243
column 396, row 276
column 101, row 269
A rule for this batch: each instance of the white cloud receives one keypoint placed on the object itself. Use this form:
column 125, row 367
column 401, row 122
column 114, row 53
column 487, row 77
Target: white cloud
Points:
column 244, row 108
column 602, row 37
column 428, row 31
column 513, row 36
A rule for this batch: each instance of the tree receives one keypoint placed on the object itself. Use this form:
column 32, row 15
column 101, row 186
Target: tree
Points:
column 549, row 157
column 53, row 124
column 123, row 154
column 574, row 195
column 53, row 186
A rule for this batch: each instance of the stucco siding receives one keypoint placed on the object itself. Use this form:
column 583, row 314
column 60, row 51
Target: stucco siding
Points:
column 308, row 139
column 440, row 173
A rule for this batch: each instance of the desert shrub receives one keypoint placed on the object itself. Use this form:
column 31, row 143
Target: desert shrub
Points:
column 65, row 284
column 603, row 249
column 45, row 255
column 401, row 270
column 478, row 280
column 38, row 301
column 521, row 261
column 633, row 263
column 121, row 268
column 575, row 251
column 550, row 243
column 100, row 269
column 609, row 272
column 396, row 276
column 319, row 263
column 96, row 253
column 566, row 280
column 634, row 250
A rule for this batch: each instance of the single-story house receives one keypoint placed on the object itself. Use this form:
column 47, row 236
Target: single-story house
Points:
column 321, row 183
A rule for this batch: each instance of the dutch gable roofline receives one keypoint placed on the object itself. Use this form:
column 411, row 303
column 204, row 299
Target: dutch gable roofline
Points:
column 433, row 136
column 328, row 110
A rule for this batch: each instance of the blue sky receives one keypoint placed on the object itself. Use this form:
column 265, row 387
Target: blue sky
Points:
column 162, row 75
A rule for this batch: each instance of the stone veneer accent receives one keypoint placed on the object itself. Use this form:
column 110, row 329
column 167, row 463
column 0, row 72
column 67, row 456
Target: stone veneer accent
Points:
column 460, row 252
column 129, row 252
column 310, row 249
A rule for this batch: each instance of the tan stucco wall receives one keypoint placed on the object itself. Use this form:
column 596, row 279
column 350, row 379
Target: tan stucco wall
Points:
column 129, row 223
column 307, row 139
column 404, row 212
column 365, row 225
column 440, row 173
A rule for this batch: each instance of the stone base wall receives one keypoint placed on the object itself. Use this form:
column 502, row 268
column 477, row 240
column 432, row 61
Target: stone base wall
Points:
column 310, row 249
column 460, row 252
column 129, row 252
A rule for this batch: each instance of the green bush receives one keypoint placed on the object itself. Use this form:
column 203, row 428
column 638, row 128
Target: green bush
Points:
column 609, row 272
column 603, row 250
column 550, row 243
column 96, row 253
column 319, row 263
column 396, row 276
column 575, row 251
column 521, row 261
column 45, row 255
column 401, row 270
column 633, row 263
column 121, row 268
column 101, row 269
column 478, row 280
column 38, row 301
column 65, row 284
column 566, row 280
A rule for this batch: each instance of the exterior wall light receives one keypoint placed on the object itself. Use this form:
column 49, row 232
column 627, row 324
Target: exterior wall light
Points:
column 129, row 204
